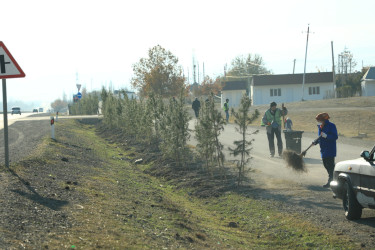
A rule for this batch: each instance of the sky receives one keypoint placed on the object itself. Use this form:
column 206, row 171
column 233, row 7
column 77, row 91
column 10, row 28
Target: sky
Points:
column 95, row 43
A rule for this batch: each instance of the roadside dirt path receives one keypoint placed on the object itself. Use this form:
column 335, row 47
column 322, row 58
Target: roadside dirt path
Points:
column 314, row 203
column 24, row 137
column 303, row 194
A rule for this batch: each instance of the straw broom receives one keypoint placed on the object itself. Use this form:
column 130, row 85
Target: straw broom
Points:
column 295, row 161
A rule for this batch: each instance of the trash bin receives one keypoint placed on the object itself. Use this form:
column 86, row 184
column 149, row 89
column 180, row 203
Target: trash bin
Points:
column 293, row 140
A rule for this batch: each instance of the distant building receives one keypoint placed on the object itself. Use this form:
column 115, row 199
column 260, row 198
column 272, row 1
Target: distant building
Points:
column 265, row 89
column 130, row 94
column 368, row 82
column 234, row 90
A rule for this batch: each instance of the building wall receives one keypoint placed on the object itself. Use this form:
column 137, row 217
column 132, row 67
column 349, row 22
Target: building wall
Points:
column 234, row 97
column 290, row 93
column 368, row 88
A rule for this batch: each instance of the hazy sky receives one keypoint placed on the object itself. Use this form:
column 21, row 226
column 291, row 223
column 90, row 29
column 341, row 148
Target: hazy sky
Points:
column 53, row 40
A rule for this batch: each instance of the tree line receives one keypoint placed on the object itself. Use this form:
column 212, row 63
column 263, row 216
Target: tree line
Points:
column 164, row 123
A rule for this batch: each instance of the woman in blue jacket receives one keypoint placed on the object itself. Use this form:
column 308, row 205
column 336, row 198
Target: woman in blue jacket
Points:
column 327, row 141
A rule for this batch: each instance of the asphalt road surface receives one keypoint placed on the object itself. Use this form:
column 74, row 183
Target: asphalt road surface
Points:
column 302, row 193
column 12, row 118
column 25, row 133
column 275, row 168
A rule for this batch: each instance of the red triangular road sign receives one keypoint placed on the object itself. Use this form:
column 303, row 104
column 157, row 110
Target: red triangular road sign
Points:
column 9, row 68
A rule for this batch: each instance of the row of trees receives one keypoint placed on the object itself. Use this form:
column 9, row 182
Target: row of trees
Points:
column 348, row 85
column 165, row 123
column 160, row 119
column 160, row 74
column 149, row 121
column 89, row 105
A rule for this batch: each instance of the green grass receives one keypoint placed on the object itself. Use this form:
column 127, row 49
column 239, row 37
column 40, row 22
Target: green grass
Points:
column 126, row 208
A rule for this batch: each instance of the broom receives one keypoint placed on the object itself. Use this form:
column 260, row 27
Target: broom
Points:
column 295, row 161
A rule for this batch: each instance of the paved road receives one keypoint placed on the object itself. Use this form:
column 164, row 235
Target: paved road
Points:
column 347, row 148
column 12, row 118
column 25, row 133
column 303, row 194
column 38, row 117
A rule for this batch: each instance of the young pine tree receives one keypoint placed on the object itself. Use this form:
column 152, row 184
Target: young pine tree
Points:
column 204, row 133
column 174, row 130
column 208, row 130
column 243, row 119
column 156, row 109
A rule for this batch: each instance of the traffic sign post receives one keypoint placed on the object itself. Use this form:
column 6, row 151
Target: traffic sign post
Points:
column 9, row 68
column 79, row 95
column 5, row 114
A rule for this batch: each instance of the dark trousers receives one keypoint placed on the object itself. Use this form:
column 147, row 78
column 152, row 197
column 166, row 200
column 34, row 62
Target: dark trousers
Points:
column 196, row 112
column 329, row 164
column 271, row 141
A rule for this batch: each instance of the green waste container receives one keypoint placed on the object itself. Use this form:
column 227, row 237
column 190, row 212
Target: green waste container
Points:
column 293, row 140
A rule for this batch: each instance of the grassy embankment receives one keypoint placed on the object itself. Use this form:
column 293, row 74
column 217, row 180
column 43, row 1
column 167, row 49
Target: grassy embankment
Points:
column 124, row 207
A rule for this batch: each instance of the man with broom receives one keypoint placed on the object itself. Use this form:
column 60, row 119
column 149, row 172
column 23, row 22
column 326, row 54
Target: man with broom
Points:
column 272, row 121
column 327, row 141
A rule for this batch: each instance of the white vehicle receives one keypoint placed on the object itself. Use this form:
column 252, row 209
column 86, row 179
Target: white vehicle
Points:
column 16, row 110
column 354, row 183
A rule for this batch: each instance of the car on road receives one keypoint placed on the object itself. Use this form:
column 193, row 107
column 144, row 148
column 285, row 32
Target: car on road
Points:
column 16, row 110
column 354, row 183
column 35, row 110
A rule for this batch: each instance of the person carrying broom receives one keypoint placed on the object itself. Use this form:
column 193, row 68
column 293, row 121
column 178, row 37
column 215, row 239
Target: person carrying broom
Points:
column 327, row 141
column 272, row 121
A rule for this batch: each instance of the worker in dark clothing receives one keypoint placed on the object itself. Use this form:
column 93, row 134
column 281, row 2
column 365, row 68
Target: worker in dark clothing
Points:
column 272, row 121
column 196, row 107
column 226, row 109
column 327, row 141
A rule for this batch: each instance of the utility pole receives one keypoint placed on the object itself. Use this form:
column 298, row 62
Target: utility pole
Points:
column 333, row 62
column 194, row 79
column 204, row 74
column 333, row 71
column 304, row 70
column 198, row 71
column 294, row 65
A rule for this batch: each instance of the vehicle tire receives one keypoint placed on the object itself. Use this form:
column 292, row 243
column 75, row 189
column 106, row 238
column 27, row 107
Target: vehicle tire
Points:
column 353, row 210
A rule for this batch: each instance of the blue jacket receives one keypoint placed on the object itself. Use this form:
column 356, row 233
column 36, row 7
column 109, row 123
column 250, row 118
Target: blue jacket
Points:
column 328, row 145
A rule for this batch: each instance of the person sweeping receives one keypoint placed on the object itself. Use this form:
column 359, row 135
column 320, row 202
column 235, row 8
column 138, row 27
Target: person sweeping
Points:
column 327, row 141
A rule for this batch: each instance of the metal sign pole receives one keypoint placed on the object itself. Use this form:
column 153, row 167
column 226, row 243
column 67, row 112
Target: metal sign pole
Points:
column 5, row 112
